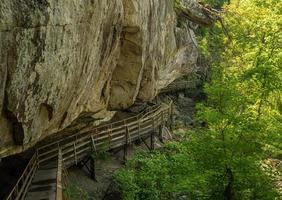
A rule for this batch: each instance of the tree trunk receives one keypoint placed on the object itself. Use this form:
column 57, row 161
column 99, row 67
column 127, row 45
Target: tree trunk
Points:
column 229, row 191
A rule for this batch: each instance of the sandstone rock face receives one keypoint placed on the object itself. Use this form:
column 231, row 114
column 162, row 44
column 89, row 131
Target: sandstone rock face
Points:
column 63, row 59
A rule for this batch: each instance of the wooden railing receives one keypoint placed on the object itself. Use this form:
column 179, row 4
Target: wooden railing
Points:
column 113, row 136
column 59, row 188
column 72, row 149
column 22, row 185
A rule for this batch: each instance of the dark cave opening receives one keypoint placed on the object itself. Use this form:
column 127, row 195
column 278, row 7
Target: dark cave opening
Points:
column 17, row 128
column 11, row 168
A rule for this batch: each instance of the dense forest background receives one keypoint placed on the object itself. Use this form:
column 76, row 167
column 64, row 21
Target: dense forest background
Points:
column 231, row 154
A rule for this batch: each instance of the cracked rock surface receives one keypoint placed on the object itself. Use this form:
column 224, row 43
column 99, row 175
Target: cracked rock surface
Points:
column 62, row 60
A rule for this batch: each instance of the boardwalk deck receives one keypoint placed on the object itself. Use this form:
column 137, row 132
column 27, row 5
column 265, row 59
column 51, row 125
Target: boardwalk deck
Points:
column 42, row 176
column 44, row 184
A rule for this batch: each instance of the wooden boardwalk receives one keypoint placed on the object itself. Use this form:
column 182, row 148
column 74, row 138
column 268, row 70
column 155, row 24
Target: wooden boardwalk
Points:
column 44, row 183
column 43, row 175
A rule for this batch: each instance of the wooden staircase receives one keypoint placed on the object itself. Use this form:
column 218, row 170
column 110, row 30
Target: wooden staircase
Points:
column 43, row 175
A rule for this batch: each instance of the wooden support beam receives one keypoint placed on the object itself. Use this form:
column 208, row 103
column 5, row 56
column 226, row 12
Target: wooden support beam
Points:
column 161, row 133
column 171, row 122
column 147, row 124
column 110, row 135
column 125, row 144
column 92, row 169
column 152, row 139
column 139, row 137
column 143, row 140
column 75, row 156
column 59, row 189
column 84, row 162
column 93, row 144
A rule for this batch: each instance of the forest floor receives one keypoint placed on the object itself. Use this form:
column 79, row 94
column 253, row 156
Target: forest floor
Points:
column 79, row 184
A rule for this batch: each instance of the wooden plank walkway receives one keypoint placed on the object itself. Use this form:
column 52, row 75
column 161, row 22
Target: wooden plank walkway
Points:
column 43, row 175
column 44, row 183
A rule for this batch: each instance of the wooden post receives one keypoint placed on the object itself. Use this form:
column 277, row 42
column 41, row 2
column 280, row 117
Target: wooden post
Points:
column 139, row 134
column 153, row 123
column 92, row 169
column 110, row 136
column 152, row 141
column 37, row 158
column 93, row 144
column 161, row 133
column 171, row 117
column 75, row 156
column 59, row 191
column 125, row 144
column 152, row 136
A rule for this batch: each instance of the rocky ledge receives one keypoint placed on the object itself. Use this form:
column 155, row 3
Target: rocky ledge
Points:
column 63, row 60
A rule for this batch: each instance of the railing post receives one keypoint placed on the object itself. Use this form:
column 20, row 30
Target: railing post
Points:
column 161, row 133
column 152, row 138
column 93, row 144
column 110, row 135
column 153, row 123
column 75, row 155
column 126, row 144
column 37, row 158
column 139, row 134
column 171, row 116
column 59, row 192
column 92, row 169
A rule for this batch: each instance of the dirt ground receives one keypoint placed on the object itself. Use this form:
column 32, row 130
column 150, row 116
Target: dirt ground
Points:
column 86, row 188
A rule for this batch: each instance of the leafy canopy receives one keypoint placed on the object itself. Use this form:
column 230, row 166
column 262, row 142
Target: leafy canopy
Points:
column 243, row 113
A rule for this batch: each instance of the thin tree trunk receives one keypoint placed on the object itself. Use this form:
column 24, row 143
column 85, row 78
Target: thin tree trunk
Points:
column 229, row 190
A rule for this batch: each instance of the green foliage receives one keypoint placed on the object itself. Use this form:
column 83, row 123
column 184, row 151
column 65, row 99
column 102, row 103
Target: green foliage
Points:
column 194, row 168
column 103, row 153
column 216, row 3
column 213, row 3
column 73, row 192
column 177, row 3
column 242, row 116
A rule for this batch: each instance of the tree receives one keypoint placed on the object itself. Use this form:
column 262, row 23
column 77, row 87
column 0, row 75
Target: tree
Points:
column 242, row 113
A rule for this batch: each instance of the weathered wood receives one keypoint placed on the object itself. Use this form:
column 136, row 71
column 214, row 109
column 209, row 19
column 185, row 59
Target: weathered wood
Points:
column 75, row 147
column 75, row 156
column 126, row 143
column 161, row 133
column 171, row 117
column 93, row 143
column 152, row 139
column 92, row 169
column 143, row 140
column 139, row 130
column 26, row 188
column 110, row 136
column 59, row 190
column 23, row 181
column 71, row 148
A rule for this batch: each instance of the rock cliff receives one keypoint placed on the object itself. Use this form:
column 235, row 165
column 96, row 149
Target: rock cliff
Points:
column 61, row 60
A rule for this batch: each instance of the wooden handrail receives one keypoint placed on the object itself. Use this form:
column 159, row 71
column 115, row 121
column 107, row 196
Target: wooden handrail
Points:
column 140, row 115
column 18, row 191
column 77, row 144
column 154, row 120
column 59, row 191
